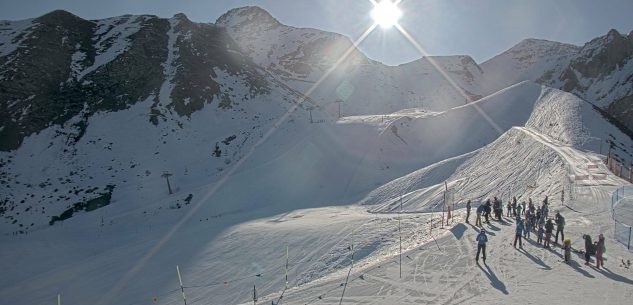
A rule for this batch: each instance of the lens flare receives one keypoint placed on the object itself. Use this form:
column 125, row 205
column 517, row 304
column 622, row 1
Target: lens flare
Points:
column 386, row 14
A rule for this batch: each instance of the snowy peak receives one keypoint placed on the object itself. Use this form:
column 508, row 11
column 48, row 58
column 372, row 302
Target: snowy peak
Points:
column 530, row 52
column 528, row 60
column 248, row 15
column 59, row 17
column 604, row 54
column 458, row 64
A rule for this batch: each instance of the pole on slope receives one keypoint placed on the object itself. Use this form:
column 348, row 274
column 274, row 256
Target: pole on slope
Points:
column 443, row 207
column 400, row 233
column 286, row 267
column 254, row 295
column 59, row 299
column 166, row 175
column 182, row 288
column 350, row 269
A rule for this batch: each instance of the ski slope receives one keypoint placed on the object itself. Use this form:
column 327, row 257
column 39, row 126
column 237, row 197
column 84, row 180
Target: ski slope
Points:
column 126, row 254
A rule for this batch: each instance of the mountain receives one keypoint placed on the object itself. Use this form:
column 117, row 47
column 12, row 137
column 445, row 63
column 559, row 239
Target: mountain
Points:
column 132, row 144
column 600, row 72
column 96, row 110
column 301, row 56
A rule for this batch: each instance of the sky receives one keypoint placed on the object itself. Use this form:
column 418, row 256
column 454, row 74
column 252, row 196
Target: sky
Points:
column 481, row 29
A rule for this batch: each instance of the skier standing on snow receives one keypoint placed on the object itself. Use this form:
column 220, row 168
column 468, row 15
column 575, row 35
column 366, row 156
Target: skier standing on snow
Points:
column 523, row 205
column 518, row 233
column 567, row 250
column 467, row 211
column 495, row 207
column 528, row 219
column 480, row 210
column 549, row 228
column 514, row 206
column 560, row 226
column 528, row 228
column 487, row 210
column 599, row 251
column 588, row 248
column 481, row 239
column 539, row 238
column 509, row 207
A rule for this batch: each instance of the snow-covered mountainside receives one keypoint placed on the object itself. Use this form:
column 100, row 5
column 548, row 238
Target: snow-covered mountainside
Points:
column 528, row 60
column 133, row 144
column 301, row 56
column 600, row 72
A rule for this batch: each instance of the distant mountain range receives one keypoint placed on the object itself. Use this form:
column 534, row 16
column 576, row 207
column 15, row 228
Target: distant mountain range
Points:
column 92, row 108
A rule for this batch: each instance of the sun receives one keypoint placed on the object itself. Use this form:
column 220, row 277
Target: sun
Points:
column 386, row 13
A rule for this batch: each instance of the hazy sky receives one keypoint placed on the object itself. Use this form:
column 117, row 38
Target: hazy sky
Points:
column 479, row 28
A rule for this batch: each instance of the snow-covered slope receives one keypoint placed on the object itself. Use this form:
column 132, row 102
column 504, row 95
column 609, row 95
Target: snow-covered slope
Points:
column 300, row 57
column 601, row 71
column 546, row 155
column 255, row 166
column 528, row 60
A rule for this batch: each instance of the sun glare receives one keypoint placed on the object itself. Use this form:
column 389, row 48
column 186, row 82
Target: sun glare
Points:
column 386, row 14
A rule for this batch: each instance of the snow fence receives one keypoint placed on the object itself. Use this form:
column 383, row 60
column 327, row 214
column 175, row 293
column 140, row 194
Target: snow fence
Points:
column 622, row 213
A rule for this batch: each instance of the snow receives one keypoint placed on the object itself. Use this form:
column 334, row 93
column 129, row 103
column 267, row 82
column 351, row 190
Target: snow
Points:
column 528, row 60
column 126, row 252
column 325, row 190
column 169, row 67
column 12, row 34
column 112, row 38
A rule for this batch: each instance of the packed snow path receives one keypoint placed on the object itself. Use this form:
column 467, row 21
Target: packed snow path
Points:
column 581, row 166
column 445, row 272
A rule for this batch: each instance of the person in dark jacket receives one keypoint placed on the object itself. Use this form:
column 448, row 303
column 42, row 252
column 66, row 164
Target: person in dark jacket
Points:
column 487, row 210
column 467, row 211
column 599, row 251
column 560, row 226
column 549, row 228
column 588, row 248
column 481, row 239
column 518, row 233
column 479, row 211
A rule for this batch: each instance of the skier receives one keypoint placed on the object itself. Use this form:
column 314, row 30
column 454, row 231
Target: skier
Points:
column 530, row 204
column 487, row 210
column 480, row 209
column 549, row 227
column 528, row 228
column 523, row 205
column 545, row 210
column 509, row 207
column 467, row 211
column 588, row 248
column 530, row 218
column 481, row 239
column 514, row 206
column 567, row 250
column 495, row 207
column 539, row 238
column 518, row 233
column 599, row 251
column 560, row 226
